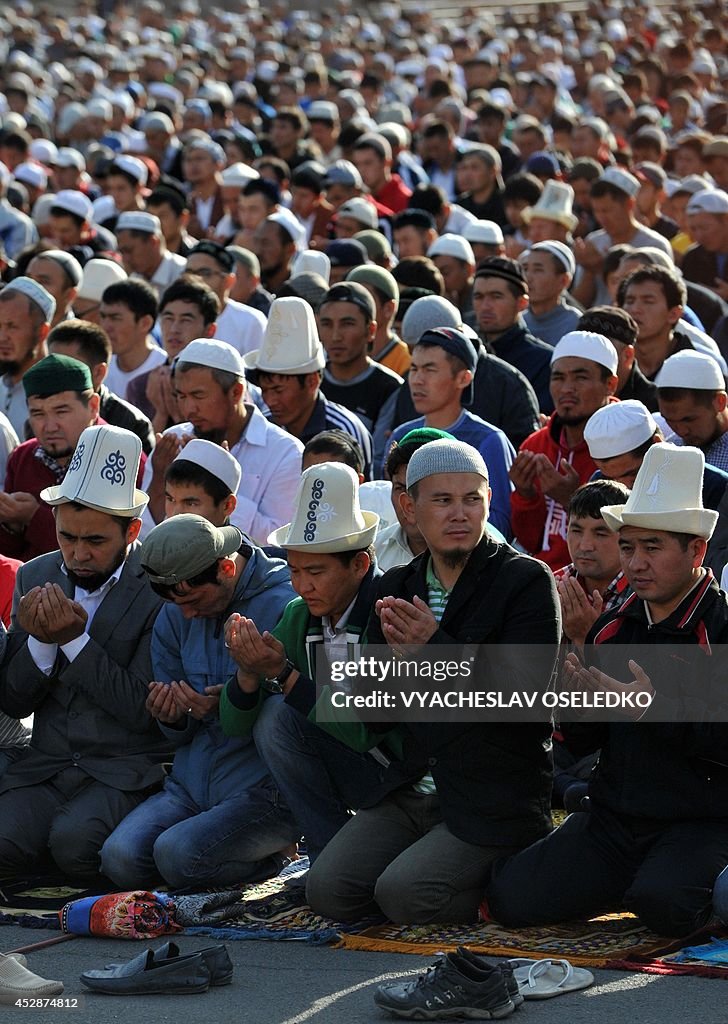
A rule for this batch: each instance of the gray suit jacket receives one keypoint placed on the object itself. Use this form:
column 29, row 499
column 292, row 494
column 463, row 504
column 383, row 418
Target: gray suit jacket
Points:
column 89, row 712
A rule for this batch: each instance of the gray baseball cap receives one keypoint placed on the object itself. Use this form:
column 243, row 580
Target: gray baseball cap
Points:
column 183, row 546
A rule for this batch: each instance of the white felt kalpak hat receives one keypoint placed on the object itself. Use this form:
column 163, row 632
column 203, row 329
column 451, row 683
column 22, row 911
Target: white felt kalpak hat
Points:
column 102, row 473
column 690, row 369
column 555, row 203
column 328, row 516
column 618, row 428
column 214, row 459
column 667, row 494
column 291, row 342
column 587, row 345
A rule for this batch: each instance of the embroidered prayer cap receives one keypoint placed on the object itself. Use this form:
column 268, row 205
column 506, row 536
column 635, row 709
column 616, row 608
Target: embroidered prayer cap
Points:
column 214, row 459
column 667, row 494
column 69, row 264
column 445, row 457
column 328, row 517
column 184, row 546
column 689, row 369
column 291, row 342
column 36, row 293
column 587, row 345
column 139, row 220
column 618, row 428
column 56, row 373
column 215, row 354
column 102, row 474
column 562, row 253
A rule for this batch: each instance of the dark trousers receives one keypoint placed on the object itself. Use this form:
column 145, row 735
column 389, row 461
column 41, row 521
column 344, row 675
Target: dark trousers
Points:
column 602, row 861
column 320, row 778
column 70, row 815
column 400, row 858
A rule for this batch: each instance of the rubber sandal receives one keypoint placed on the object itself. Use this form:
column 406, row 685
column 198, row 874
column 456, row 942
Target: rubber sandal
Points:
column 544, row 979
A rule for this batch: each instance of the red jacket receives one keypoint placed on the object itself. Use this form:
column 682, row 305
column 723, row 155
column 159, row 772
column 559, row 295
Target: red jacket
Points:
column 26, row 473
column 539, row 524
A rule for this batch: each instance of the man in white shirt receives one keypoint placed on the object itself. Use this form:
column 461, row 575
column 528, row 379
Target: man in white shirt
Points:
column 239, row 325
column 209, row 381
column 144, row 251
column 128, row 313
column 26, row 311
column 78, row 660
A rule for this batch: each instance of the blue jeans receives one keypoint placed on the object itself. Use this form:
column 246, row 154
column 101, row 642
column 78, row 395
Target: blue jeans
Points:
column 320, row 778
column 237, row 840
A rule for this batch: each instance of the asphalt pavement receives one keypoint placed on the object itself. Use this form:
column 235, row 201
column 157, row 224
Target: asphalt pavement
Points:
column 296, row 983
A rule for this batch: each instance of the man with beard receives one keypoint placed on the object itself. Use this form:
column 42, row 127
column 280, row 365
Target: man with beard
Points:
column 61, row 404
column 209, row 383
column 274, row 244
column 555, row 460
column 26, row 312
column 78, row 660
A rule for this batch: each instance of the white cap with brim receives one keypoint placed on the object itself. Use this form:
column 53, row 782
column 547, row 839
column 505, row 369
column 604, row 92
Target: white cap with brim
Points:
column 618, row 428
column 291, row 342
column 102, row 473
column 214, row 459
column 587, row 345
column 667, row 494
column 328, row 517
column 693, row 370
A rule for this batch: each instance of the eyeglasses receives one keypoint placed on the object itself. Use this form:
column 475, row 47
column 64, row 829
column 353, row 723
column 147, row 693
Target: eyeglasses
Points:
column 168, row 591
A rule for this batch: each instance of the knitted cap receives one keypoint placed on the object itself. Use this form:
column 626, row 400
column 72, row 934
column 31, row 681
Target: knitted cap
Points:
column 444, row 457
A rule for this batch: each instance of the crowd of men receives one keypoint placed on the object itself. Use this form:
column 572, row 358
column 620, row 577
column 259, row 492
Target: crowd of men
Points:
column 323, row 332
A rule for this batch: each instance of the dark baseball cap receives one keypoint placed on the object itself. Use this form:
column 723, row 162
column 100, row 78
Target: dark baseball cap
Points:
column 350, row 291
column 457, row 344
column 346, row 252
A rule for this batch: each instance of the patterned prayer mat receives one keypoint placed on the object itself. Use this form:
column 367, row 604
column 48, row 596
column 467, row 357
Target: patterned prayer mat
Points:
column 277, row 910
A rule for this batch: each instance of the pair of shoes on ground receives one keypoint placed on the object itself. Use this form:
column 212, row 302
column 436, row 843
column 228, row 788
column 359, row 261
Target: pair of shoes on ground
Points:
column 463, row 984
column 17, row 982
column 460, row 984
column 163, row 971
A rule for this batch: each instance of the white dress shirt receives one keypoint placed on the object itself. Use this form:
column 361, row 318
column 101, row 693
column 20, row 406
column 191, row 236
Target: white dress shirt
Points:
column 271, row 464
column 44, row 655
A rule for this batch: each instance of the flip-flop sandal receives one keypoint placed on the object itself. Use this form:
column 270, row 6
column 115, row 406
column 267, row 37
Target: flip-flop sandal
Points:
column 543, row 979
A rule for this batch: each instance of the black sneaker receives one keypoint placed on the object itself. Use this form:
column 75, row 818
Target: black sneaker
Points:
column 451, row 988
column 505, row 968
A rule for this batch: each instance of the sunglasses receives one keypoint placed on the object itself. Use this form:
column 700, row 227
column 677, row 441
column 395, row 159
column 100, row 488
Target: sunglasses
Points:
column 168, row 591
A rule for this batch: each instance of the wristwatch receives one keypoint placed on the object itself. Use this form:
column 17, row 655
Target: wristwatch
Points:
column 275, row 684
